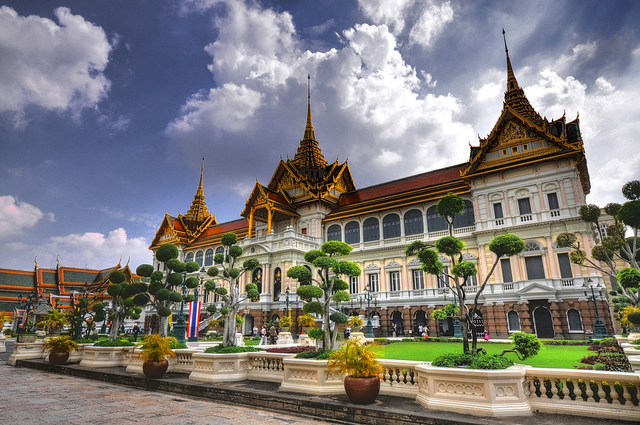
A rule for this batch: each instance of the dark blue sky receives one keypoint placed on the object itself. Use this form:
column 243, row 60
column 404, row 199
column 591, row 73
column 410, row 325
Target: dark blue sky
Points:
column 106, row 107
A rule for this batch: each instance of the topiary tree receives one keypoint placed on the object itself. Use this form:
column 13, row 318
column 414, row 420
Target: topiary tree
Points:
column 502, row 246
column 526, row 345
column 122, row 305
column 329, row 285
column 163, row 291
column 226, row 284
column 615, row 255
column 85, row 310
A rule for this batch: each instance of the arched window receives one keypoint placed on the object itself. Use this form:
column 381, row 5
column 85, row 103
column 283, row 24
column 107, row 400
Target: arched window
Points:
column 208, row 257
column 413, row 223
column 371, row 229
column 465, row 219
column 513, row 321
column 199, row 257
column 189, row 257
column 352, row 232
column 531, row 246
column 219, row 250
column 334, row 233
column 257, row 278
column 391, row 226
column 574, row 320
column 435, row 222
column 277, row 283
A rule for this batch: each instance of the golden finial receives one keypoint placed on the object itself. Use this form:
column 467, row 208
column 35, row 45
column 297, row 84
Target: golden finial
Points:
column 36, row 261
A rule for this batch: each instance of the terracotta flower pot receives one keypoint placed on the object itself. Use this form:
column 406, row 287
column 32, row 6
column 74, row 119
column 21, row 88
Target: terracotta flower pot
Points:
column 155, row 370
column 362, row 390
column 58, row 357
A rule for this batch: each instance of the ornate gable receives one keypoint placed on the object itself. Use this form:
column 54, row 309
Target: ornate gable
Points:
column 166, row 233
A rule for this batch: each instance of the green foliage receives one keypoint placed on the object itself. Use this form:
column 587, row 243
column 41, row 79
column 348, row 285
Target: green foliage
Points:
column 355, row 321
column 140, row 299
column 313, row 307
column 156, row 276
column 219, row 258
column 341, row 285
column 414, row 247
column 629, row 277
column 213, row 271
column 212, row 309
column 116, row 277
column 144, row 270
column 176, row 265
column 325, row 262
column 229, row 239
column 251, row 264
column 115, row 289
column 309, row 292
column 430, row 261
column 310, row 256
column 449, row 206
column 526, row 345
column 156, row 348
column 192, row 266
column 175, row 279
column 464, row 269
column 506, row 245
column 566, row 240
column 450, row 245
column 314, row 354
column 452, row 360
column 299, row 273
column 355, row 359
column 634, row 317
column 163, row 294
column 578, row 256
column 629, row 214
column 315, row 333
column 235, row 251
column 338, row 317
column 478, row 361
column 166, row 252
column 222, row 291
column 348, row 268
column 338, row 248
column 59, row 344
column 306, row 320
column 233, row 273
column 631, row 190
column 192, row 282
column 220, row 349
column 341, row 297
column 285, row 322
column 224, row 310
column 114, row 343
column 589, row 213
column 164, row 312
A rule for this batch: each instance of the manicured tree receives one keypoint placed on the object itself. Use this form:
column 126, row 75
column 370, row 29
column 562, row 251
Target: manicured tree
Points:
column 226, row 284
column 502, row 246
column 329, row 285
column 615, row 255
column 164, row 290
column 122, row 305
column 85, row 310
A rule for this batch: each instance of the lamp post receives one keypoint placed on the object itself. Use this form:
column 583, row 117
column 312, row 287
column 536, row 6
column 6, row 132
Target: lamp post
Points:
column 369, row 328
column 26, row 304
column 600, row 330
column 179, row 328
column 287, row 312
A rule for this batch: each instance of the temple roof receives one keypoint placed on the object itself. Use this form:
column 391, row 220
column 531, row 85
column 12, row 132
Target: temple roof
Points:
column 198, row 211
column 309, row 157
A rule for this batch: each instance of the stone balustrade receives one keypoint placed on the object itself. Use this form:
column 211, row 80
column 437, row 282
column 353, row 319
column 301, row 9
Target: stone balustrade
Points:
column 584, row 393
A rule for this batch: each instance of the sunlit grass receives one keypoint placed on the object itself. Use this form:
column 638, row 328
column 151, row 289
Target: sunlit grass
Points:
column 552, row 356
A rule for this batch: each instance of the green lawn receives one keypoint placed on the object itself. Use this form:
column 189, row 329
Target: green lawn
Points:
column 553, row 356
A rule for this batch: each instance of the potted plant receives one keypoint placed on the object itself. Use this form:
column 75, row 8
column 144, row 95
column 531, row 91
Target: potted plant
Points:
column 59, row 348
column 285, row 323
column 362, row 369
column 155, row 350
column 355, row 322
column 306, row 321
column 26, row 335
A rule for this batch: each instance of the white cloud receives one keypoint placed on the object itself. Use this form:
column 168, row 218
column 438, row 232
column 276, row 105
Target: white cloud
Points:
column 15, row 216
column 56, row 67
column 426, row 19
column 95, row 250
column 364, row 88
column 322, row 28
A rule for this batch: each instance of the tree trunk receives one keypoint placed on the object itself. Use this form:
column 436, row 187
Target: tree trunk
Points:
column 164, row 325
column 229, row 337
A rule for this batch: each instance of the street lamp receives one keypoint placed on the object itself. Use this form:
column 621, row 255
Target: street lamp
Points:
column 287, row 312
column 369, row 328
column 26, row 304
column 600, row 330
column 179, row 328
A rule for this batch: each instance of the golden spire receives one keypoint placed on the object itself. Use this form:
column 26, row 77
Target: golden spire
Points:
column 514, row 97
column 309, row 155
column 198, row 211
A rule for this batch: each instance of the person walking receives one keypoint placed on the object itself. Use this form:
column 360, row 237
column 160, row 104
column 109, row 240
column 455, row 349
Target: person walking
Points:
column 263, row 336
column 272, row 335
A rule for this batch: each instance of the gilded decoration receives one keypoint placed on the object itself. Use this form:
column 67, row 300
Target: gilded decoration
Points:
column 511, row 131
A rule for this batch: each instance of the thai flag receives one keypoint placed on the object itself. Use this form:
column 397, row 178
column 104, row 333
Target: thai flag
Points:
column 194, row 319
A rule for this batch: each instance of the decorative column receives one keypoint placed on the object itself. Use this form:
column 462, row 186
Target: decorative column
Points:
column 526, row 321
column 553, row 268
column 555, row 316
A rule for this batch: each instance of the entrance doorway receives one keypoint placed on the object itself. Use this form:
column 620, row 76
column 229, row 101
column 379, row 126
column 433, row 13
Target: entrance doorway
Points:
column 543, row 323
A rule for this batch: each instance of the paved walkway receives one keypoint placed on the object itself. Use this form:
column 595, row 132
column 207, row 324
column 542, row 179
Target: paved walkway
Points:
column 33, row 397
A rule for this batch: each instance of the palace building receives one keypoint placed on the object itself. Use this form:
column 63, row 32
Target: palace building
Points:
column 528, row 177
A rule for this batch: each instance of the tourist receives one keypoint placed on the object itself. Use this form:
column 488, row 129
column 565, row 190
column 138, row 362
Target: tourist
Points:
column 255, row 331
column 486, row 336
column 263, row 336
column 272, row 335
